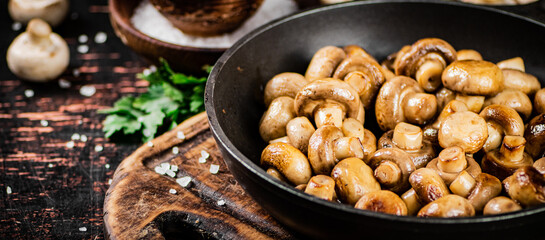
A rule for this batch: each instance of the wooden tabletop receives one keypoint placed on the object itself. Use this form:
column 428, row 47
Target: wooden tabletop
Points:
column 53, row 180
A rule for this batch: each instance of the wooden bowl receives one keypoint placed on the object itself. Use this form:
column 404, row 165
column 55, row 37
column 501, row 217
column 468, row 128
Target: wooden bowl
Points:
column 207, row 17
column 181, row 58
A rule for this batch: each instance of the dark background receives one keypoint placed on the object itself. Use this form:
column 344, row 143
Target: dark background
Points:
column 58, row 191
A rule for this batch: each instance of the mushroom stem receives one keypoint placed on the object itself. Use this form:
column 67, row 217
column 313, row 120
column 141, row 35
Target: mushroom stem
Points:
column 388, row 173
column 512, row 148
column 452, row 159
column 468, row 54
column 329, row 114
column 39, row 32
column 411, row 200
column 346, row 147
column 463, row 184
column 428, row 75
column 418, row 108
column 353, row 128
column 473, row 103
column 407, row 136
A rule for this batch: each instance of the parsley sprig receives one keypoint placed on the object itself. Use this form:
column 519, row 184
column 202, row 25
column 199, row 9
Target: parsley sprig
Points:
column 171, row 98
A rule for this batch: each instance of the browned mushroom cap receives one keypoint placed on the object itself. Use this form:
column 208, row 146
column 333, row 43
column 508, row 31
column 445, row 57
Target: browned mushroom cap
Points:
column 283, row 84
column 468, row 54
column 473, row 77
column 500, row 205
column 540, row 165
column 444, row 96
column 517, row 80
column 321, row 186
column 369, row 145
column 464, row 129
column 515, row 99
column 516, row 63
column 451, row 161
column 448, row 206
column 501, row 120
column 333, row 91
column 383, row 201
column 428, row 185
column 392, row 168
column 505, row 161
column 355, row 50
column 539, row 101
column 324, row 62
column 425, row 61
column 409, row 138
column 328, row 145
column 535, row 136
column 401, row 99
column 299, row 131
column 526, row 186
column 353, row 179
column 486, row 188
column 274, row 120
column 288, row 160
column 388, row 63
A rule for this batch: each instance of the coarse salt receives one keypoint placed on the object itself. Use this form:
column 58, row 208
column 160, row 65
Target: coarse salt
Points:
column 76, row 72
column 202, row 160
column 87, row 90
column 165, row 165
column 214, row 168
column 221, row 202
column 150, row 21
column 29, row 93
column 101, row 37
column 83, row 38
column 160, row 170
column 184, row 181
column 107, row 166
column 8, row 190
column 63, row 83
column 180, row 135
column 70, row 144
column 83, row 48
column 146, row 132
column 99, row 148
column 153, row 68
column 150, row 144
column 170, row 173
column 75, row 136
column 83, row 138
column 16, row 26
column 50, row 165
column 83, row 229
column 44, row 123
column 175, row 150
column 205, row 154
column 174, row 168
column 110, row 182
column 172, row 191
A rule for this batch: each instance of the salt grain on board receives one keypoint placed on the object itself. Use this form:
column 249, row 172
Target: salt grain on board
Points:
column 44, row 123
column 184, row 181
column 101, row 37
column 170, row 173
column 75, row 136
column 76, row 72
column 83, row 229
column 29, row 93
column 221, row 202
column 180, row 135
column 16, row 26
column 63, row 83
column 83, row 138
column 70, row 144
column 107, row 166
column 174, row 168
column 150, row 144
column 172, row 191
column 165, row 165
column 83, row 48
column 214, row 168
column 99, row 148
column 87, row 90
column 175, row 150
column 8, row 190
column 83, row 38
column 160, row 170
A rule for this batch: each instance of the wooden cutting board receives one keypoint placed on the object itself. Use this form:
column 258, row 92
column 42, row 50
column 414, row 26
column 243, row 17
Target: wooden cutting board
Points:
column 143, row 204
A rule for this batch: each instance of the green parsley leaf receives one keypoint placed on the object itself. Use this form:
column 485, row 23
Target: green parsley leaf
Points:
column 171, row 98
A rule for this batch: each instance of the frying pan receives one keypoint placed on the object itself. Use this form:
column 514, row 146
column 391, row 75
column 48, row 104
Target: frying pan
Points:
column 234, row 104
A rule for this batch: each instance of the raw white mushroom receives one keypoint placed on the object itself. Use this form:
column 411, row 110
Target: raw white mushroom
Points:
column 51, row 11
column 38, row 54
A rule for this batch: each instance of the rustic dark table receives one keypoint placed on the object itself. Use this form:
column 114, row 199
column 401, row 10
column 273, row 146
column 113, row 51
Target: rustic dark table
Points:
column 52, row 183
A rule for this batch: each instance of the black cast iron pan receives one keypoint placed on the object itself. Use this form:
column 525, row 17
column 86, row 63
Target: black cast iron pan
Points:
column 234, row 104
